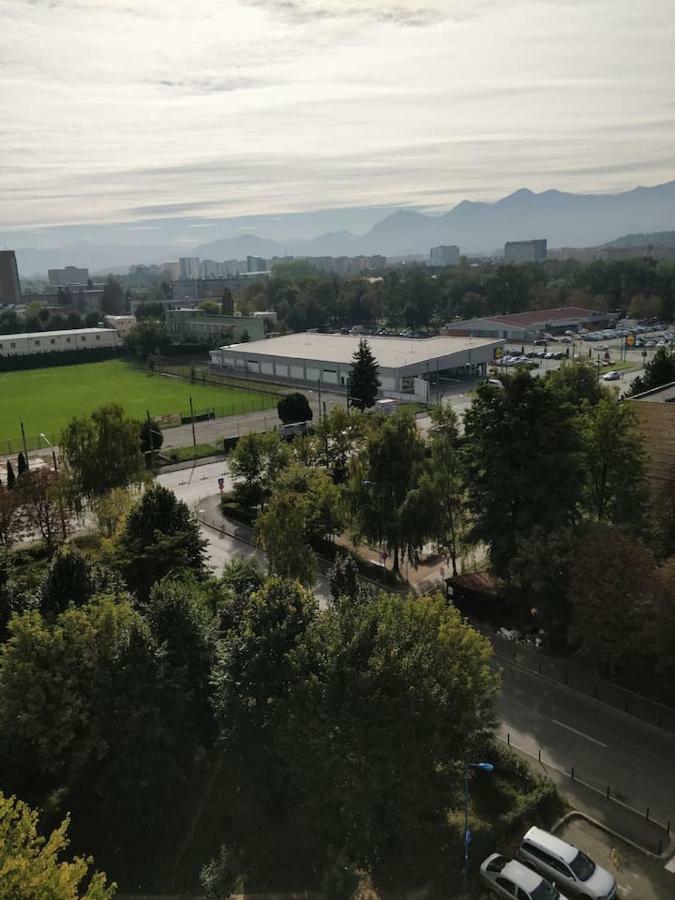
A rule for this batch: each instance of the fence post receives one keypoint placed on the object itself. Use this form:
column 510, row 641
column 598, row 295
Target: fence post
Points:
column 647, row 816
column 608, row 792
column 572, row 773
column 508, row 738
column 539, row 754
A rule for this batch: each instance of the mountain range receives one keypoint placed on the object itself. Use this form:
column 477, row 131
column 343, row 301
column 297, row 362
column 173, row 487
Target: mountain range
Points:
column 564, row 219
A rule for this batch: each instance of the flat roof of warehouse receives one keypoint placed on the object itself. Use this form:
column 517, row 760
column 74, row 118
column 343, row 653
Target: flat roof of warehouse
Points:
column 390, row 352
column 46, row 334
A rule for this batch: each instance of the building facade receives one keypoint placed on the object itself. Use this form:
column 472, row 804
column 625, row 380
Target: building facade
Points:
column 189, row 266
column 58, row 341
column 406, row 367
column 198, row 326
column 525, row 251
column 530, row 325
column 10, row 286
column 69, row 275
column 121, row 324
column 445, row 255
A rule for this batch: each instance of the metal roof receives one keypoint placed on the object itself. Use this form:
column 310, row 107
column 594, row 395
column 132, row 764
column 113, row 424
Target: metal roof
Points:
column 39, row 334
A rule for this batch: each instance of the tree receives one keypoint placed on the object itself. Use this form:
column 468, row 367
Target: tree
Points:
column 294, row 408
column 380, row 492
column 30, row 863
column 44, row 504
column 664, row 521
column 363, row 384
column 12, row 599
column 523, row 466
column 151, row 439
column 22, row 464
column 11, row 477
column 159, row 536
column 148, row 338
column 339, row 434
column 345, row 585
column 576, row 383
column 324, row 507
column 255, row 462
column 282, row 529
column 111, row 509
column 645, row 306
column 112, row 301
column 612, row 591
column 72, row 580
column 614, row 460
column 10, row 519
column 103, row 451
column 659, row 371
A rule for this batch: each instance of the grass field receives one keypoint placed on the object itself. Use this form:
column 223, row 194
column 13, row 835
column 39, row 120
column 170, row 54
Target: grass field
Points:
column 46, row 399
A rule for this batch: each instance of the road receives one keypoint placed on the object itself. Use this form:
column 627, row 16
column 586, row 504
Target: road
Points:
column 192, row 485
column 604, row 745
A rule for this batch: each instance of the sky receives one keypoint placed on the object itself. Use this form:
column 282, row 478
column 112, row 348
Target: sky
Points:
column 118, row 111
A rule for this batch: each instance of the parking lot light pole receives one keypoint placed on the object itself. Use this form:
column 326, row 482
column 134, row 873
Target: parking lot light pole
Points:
column 482, row 767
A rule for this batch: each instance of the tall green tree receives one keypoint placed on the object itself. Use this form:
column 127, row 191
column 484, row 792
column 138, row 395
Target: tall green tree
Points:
column 294, row 407
column 112, row 301
column 30, row 863
column 10, row 518
column 160, row 536
column 254, row 463
column 11, row 477
column 577, row 384
column 103, row 451
column 614, row 457
column 381, row 494
column 363, row 384
column 659, row 371
column 523, row 463
column 283, row 529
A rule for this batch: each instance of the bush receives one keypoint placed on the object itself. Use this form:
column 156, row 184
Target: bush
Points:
column 294, row 408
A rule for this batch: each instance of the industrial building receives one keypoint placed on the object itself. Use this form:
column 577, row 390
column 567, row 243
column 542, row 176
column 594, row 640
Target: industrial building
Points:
column 10, row 286
column 204, row 328
column 529, row 325
column 406, row 366
column 525, row 251
column 58, row 341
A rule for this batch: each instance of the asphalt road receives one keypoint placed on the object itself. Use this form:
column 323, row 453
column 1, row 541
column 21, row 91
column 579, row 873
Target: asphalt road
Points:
column 605, row 746
column 193, row 484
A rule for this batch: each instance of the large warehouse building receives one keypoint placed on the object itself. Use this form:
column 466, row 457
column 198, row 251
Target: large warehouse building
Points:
column 407, row 367
column 529, row 325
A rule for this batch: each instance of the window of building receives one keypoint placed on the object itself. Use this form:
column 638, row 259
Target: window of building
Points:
column 98, row 337
column 52, row 340
column 12, row 344
column 83, row 337
column 67, row 340
column 37, row 343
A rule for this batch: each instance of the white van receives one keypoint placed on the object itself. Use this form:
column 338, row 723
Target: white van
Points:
column 566, row 866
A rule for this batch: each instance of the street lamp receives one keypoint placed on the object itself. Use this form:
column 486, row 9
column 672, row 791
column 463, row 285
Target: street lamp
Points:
column 482, row 767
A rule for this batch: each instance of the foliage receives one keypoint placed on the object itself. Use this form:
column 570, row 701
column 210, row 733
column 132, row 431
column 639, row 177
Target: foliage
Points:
column 664, row 521
column 324, row 502
column 151, row 438
column 103, row 451
column 612, row 587
column 221, row 876
column 22, row 464
column 71, row 580
column 44, row 504
column 10, row 519
column 294, row 408
column 345, row 586
column 30, row 863
column 576, row 383
column 254, row 463
column 381, row 489
column 11, row 477
column 112, row 301
column 523, row 464
column 659, row 370
column 147, row 338
column 159, row 536
column 339, row 433
column 363, row 384
column 340, row 880
column 111, row 509
column 614, row 461
column 283, row 531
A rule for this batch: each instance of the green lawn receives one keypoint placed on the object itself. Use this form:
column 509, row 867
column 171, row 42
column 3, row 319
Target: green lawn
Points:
column 46, row 399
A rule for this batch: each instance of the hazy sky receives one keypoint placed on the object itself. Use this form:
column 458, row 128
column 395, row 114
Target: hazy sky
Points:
column 118, row 110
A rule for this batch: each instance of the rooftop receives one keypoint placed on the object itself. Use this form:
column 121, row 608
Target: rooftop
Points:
column 45, row 334
column 390, row 352
column 664, row 394
column 537, row 316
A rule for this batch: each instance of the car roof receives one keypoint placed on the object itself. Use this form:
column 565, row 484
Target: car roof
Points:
column 521, row 875
column 547, row 841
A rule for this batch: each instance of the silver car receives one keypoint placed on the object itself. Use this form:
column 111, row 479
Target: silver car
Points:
column 566, row 865
column 510, row 879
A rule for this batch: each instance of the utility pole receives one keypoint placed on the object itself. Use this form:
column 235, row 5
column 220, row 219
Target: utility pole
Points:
column 194, row 436
column 319, row 390
column 61, row 513
column 25, row 447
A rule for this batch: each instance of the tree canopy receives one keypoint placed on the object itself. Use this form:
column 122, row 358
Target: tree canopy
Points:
column 364, row 384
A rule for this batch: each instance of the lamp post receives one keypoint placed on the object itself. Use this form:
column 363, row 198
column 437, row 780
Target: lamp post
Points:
column 483, row 767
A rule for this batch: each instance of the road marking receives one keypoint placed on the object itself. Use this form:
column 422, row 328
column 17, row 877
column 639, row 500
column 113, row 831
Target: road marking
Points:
column 580, row 733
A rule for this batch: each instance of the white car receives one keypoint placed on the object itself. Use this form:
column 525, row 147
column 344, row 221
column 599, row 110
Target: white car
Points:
column 566, row 866
column 510, row 879
column 611, row 376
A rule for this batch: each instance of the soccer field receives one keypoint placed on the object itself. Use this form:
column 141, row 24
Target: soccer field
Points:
column 46, row 399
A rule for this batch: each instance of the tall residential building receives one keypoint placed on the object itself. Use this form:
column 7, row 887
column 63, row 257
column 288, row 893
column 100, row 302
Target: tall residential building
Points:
column 67, row 276
column 525, row 251
column 445, row 255
column 10, row 286
column 189, row 266
column 255, row 264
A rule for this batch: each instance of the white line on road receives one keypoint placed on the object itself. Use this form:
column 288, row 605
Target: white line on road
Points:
column 580, row 733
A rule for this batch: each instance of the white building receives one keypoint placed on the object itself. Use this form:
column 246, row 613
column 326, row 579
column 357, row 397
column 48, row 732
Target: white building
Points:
column 406, row 367
column 189, row 266
column 68, row 276
column 445, row 255
column 121, row 324
column 58, row 341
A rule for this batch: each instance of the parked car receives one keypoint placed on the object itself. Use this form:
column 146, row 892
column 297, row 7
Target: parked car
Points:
column 566, row 865
column 611, row 376
column 509, row 878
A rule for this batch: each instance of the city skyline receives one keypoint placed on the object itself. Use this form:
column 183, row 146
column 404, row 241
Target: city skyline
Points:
column 275, row 106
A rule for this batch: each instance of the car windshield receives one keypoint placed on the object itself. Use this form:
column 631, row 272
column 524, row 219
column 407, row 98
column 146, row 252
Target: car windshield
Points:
column 582, row 866
column 544, row 891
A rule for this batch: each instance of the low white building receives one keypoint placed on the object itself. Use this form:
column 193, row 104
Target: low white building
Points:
column 406, row 366
column 58, row 341
column 121, row 324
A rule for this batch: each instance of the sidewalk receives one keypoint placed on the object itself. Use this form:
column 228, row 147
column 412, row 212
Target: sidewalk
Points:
column 579, row 674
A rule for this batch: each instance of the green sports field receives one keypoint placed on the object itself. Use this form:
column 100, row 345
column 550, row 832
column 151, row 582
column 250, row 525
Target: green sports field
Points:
column 46, row 399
